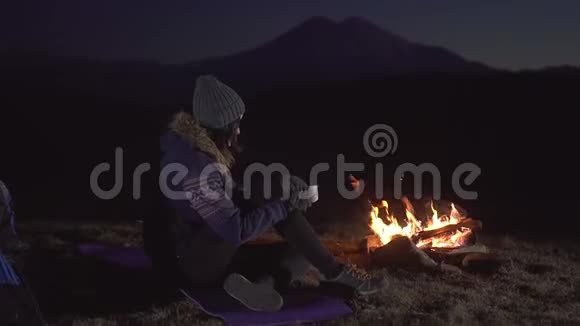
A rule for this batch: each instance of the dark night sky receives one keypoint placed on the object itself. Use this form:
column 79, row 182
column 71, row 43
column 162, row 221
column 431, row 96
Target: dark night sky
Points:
column 501, row 33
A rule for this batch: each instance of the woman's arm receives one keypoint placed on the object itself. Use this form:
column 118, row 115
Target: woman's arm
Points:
column 211, row 199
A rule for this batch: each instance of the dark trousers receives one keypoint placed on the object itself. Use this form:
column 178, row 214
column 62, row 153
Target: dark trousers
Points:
column 205, row 259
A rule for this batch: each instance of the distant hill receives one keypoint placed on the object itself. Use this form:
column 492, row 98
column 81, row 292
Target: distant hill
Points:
column 317, row 51
column 352, row 48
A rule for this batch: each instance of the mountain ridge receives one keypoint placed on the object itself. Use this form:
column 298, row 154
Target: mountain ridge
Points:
column 353, row 46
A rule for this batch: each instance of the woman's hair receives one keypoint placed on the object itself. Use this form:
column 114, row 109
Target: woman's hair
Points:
column 222, row 137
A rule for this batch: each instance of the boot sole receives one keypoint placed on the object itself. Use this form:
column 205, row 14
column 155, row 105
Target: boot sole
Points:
column 257, row 297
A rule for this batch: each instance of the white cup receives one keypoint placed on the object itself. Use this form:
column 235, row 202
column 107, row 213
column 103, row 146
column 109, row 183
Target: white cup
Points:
column 312, row 193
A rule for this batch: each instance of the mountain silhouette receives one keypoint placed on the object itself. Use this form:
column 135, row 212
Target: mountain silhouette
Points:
column 320, row 47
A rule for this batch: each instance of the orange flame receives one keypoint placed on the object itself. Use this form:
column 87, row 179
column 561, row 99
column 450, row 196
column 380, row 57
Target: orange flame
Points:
column 387, row 226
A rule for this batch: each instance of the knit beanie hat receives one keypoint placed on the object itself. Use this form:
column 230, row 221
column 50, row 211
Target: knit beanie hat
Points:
column 215, row 104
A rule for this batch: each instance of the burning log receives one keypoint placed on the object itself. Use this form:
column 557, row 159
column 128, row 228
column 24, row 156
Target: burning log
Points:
column 468, row 223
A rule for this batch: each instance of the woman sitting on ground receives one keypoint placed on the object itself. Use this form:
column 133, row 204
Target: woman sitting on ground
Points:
column 207, row 231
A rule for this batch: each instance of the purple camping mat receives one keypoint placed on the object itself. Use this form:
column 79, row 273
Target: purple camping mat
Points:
column 129, row 257
column 299, row 306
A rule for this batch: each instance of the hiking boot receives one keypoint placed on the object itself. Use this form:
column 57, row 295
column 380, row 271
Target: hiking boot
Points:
column 360, row 280
column 255, row 296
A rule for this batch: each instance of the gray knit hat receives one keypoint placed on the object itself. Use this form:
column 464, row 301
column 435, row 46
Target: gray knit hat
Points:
column 215, row 104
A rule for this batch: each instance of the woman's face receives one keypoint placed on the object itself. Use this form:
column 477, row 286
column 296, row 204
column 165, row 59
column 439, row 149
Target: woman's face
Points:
column 236, row 132
column 238, row 128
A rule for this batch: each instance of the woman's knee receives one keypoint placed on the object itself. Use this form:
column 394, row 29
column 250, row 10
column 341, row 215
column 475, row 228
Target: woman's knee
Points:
column 294, row 218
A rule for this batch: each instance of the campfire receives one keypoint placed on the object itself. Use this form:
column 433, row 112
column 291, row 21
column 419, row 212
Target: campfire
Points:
column 429, row 241
column 434, row 231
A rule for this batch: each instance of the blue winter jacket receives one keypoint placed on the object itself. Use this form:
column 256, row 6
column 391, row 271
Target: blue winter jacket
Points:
column 205, row 192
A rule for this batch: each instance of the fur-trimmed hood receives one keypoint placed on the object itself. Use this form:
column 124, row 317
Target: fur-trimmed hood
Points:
column 185, row 125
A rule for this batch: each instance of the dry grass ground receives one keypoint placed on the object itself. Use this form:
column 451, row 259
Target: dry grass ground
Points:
column 538, row 283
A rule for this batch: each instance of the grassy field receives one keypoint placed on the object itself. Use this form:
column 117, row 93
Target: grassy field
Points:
column 538, row 283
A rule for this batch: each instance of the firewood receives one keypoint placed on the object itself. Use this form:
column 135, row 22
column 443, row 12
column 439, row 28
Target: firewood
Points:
column 466, row 223
column 448, row 268
column 402, row 252
column 474, row 249
column 481, row 263
column 370, row 243
column 454, row 256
